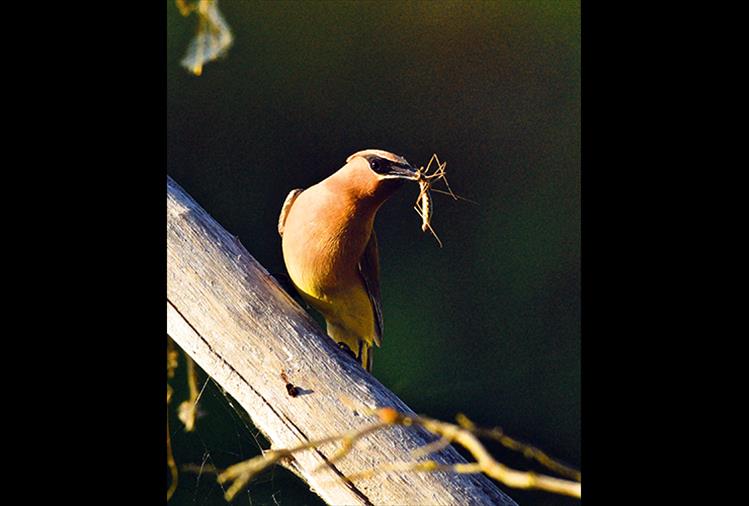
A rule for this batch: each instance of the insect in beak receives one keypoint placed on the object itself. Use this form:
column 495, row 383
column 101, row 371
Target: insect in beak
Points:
column 423, row 205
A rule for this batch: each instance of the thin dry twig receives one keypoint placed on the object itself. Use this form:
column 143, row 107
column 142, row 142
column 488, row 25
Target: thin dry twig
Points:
column 240, row 474
column 187, row 410
column 485, row 463
column 528, row 451
column 169, row 455
column 171, row 358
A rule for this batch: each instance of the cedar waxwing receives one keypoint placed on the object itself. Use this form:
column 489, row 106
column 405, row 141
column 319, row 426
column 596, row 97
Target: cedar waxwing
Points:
column 330, row 248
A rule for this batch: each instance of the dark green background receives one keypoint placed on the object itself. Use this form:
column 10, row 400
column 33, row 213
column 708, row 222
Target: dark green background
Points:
column 489, row 325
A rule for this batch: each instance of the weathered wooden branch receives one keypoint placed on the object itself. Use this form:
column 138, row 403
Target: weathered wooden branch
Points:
column 243, row 329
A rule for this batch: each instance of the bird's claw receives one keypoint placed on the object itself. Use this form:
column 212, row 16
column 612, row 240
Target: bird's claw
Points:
column 345, row 347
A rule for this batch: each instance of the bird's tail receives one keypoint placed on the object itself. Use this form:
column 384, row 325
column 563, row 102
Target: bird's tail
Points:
column 365, row 355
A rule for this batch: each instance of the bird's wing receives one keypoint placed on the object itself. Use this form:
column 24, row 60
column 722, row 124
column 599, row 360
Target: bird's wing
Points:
column 290, row 198
column 369, row 267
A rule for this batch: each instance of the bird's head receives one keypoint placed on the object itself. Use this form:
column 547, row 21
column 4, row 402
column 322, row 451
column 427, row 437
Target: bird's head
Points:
column 383, row 164
column 372, row 175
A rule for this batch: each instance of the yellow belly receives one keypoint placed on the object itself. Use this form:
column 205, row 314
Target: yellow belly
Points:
column 347, row 311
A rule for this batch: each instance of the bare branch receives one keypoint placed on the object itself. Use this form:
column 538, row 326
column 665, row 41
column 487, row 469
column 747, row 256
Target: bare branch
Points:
column 242, row 328
column 528, row 451
column 240, row 474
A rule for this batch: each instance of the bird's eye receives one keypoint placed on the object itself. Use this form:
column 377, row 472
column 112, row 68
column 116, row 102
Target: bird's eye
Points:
column 375, row 164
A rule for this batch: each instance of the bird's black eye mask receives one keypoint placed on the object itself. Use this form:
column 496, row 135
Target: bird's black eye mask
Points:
column 389, row 167
column 379, row 165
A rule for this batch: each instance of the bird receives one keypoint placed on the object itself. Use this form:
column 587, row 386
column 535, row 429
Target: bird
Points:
column 330, row 247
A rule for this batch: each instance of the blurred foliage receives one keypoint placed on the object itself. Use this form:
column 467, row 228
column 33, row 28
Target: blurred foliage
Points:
column 213, row 36
column 490, row 324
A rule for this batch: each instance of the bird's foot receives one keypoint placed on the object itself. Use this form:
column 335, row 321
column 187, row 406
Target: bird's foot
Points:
column 345, row 347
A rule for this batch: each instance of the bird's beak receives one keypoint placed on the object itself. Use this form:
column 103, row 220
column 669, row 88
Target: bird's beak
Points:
column 403, row 171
